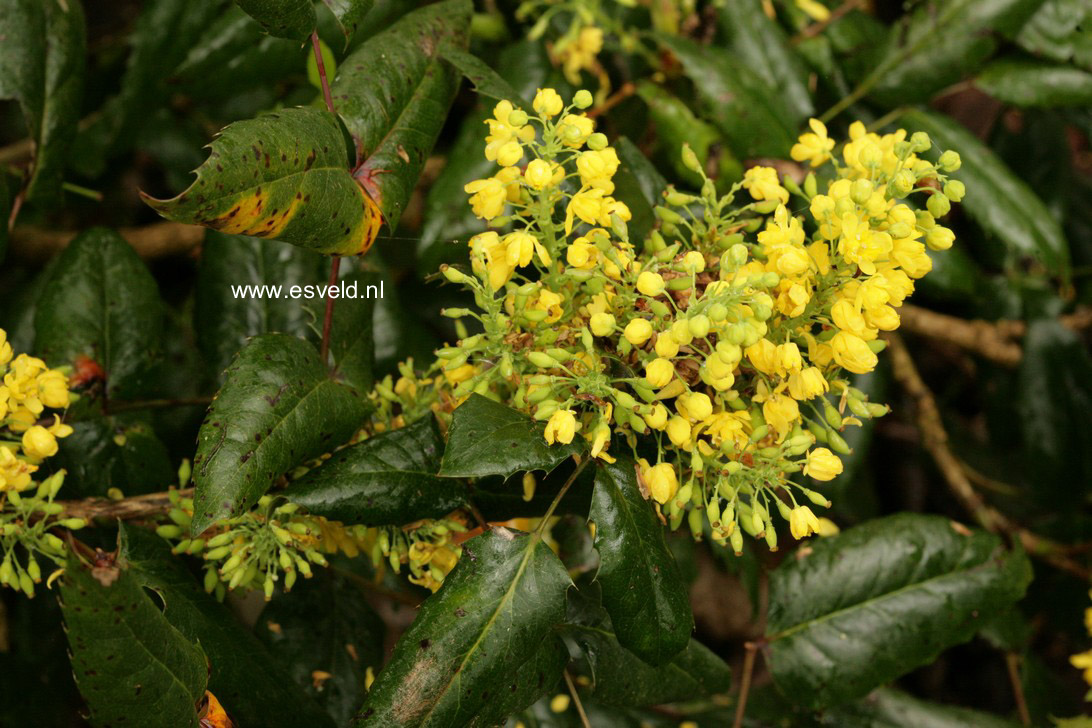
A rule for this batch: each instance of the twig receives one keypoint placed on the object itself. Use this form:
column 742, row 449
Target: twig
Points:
column 157, row 240
column 134, row 508
column 1012, row 661
column 335, row 266
column 745, row 685
column 576, row 700
column 116, row 407
column 835, row 15
column 935, row 441
column 623, row 93
column 371, row 586
column 982, row 337
column 316, row 48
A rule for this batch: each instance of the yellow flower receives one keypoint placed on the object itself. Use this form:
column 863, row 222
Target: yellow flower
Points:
column 657, row 418
column 781, row 413
column 763, row 356
column 53, row 389
column 666, row 346
column 519, row 248
column 487, row 197
column 5, row 349
column 788, row 358
column 807, row 383
column 551, row 303
column 650, row 284
column 802, row 522
column 763, row 184
column 561, row 427
column 602, row 324
column 661, row 481
column 638, row 331
column 588, row 205
column 659, row 372
column 548, row 102
column 695, row 406
column 678, row 431
column 539, row 174
column 597, row 168
column 582, row 254
column 509, row 154
column 852, row 353
column 489, row 256
column 39, row 443
column 574, row 129
column 822, row 464
column 814, row 147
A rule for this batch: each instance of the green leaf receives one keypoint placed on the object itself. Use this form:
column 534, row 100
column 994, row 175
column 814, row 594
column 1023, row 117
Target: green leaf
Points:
column 1059, row 31
column 481, row 647
column 101, row 302
column 1055, row 391
column 735, row 98
column 638, row 184
column 393, row 92
column 389, row 479
column 763, row 46
column 1000, row 202
column 292, row 19
column 489, row 438
column 42, row 67
column 120, row 452
column 278, row 407
column 620, row 678
column 352, row 344
column 1035, row 84
column 643, row 590
column 487, row 82
column 325, row 624
column 939, row 44
column 223, row 320
column 887, row 708
column 348, row 14
column 880, row 599
column 131, row 665
column 284, row 175
column 5, row 213
column 244, row 676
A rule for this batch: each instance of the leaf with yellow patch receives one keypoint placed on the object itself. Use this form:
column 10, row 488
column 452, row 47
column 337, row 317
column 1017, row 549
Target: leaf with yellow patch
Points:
column 284, row 176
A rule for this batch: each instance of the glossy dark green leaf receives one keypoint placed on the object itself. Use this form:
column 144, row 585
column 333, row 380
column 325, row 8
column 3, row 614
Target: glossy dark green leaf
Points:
column 1059, row 31
column 349, row 14
column 1055, row 392
column 736, row 99
column 393, row 92
column 294, row 19
column 448, row 217
column 638, row 184
column 223, row 320
column 352, row 340
column 887, row 708
column 324, row 625
column 487, row 82
column 643, row 591
column 1036, row 84
column 42, row 67
column 1000, row 202
column 489, row 438
column 880, row 599
column 938, row 44
column 101, row 302
column 278, row 407
column 761, row 43
column 389, row 479
column 618, row 677
column 284, row 175
column 244, row 676
column 481, row 647
column 132, row 666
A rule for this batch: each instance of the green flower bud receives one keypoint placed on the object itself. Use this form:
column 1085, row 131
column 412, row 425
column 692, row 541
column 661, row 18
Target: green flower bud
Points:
column 954, row 190
column 938, row 205
column 597, row 142
column 949, row 161
column 690, row 160
column 453, row 274
column 860, row 191
column 837, row 444
column 832, row 416
column 920, row 142
column 541, row 360
column 169, row 531
column 517, row 117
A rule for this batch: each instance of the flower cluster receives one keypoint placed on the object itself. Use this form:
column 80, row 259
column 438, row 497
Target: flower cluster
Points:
column 275, row 539
column 723, row 352
column 28, row 389
column 26, row 530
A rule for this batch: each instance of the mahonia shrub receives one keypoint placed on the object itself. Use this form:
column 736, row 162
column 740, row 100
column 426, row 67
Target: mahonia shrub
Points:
column 695, row 363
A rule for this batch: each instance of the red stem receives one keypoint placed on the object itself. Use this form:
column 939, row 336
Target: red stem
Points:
column 328, row 318
column 322, row 71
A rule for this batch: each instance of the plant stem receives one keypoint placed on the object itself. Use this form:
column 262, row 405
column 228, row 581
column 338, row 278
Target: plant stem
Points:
column 1012, row 661
column 561, row 494
column 745, row 685
column 328, row 316
column 576, row 700
column 116, row 407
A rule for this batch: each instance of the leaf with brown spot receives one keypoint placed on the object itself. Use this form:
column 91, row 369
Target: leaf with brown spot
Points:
column 284, row 176
column 497, row 658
